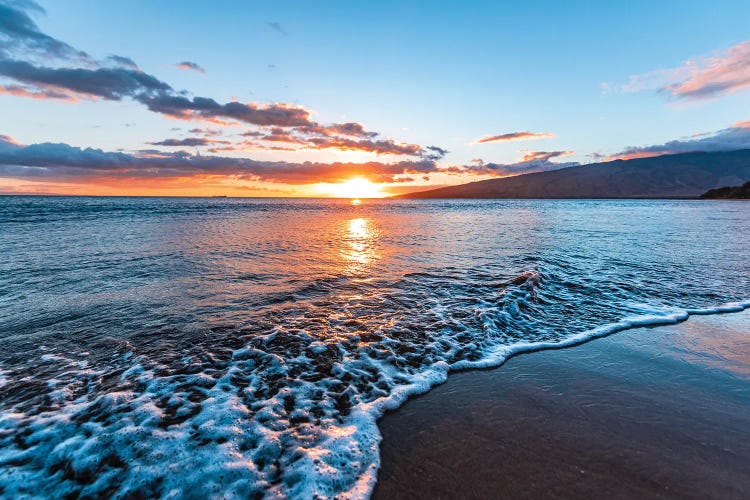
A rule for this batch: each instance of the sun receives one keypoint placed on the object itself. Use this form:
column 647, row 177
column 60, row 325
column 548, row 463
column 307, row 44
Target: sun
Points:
column 355, row 188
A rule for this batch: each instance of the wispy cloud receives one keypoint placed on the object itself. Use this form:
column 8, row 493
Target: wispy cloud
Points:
column 188, row 142
column 205, row 131
column 700, row 78
column 514, row 136
column 190, row 66
column 21, row 91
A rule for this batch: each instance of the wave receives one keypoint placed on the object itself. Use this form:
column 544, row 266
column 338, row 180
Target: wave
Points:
column 218, row 447
column 438, row 373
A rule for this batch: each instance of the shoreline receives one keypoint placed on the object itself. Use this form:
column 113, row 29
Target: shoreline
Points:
column 421, row 438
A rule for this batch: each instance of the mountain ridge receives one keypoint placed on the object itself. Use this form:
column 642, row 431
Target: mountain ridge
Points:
column 684, row 175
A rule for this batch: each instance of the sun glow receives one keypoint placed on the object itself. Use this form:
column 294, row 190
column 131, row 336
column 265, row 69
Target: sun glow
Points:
column 355, row 188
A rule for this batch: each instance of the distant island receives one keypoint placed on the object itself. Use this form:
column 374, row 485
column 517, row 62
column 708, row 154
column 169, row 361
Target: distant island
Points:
column 686, row 175
column 728, row 193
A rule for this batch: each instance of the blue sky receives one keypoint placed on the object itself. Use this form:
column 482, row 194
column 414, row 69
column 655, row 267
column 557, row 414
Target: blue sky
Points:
column 425, row 73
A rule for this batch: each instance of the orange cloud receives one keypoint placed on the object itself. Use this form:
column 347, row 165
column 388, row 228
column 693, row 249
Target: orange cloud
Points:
column 39, row 93
column 190, row 66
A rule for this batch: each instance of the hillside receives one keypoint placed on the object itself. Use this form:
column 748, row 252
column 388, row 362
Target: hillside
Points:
column 685, row 175
column 728, row 193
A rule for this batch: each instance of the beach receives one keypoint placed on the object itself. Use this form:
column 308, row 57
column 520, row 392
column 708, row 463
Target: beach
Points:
column 649, row 412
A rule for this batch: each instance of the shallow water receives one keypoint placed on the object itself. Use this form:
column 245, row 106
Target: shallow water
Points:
column 197, row 347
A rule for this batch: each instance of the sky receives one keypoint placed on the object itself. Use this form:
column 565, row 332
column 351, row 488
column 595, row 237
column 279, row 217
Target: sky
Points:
column 356, row 99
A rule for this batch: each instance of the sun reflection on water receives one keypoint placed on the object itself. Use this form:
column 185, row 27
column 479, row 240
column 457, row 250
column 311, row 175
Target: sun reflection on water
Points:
column 359, row 247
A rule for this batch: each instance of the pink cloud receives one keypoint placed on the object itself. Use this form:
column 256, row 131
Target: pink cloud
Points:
column 514, row 136
column 700, row 78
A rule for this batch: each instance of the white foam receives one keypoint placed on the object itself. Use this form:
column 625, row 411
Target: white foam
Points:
column 222, row 448
column 438, row 373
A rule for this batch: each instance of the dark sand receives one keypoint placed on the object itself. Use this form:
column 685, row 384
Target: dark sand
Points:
column 651, row 412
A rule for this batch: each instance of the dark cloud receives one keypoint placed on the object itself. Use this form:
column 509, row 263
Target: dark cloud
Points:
column 729, row 139
column 105, row 83
column 253, row 133
column 76, row 76
column 62, row 162
column 357, row 139
column 351, row 129
column 177, row 106
column 191, row 66
column 125, row 62
column 19, row 33
column 514, row 136
column 276, row 26
column 381, row 147
column 434, row 153
column 101, row 81
column 532, row 161
column 188, row 142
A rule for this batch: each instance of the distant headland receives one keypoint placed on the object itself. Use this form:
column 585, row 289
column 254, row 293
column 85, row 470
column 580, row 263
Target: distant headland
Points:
column 728, row 193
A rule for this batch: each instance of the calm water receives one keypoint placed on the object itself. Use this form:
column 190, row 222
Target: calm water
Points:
column 198, row 347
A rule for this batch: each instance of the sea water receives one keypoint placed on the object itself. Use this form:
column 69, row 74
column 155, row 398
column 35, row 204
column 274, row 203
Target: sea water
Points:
column 193, row 348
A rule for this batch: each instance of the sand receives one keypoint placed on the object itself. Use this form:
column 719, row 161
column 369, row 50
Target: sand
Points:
column 650, row 412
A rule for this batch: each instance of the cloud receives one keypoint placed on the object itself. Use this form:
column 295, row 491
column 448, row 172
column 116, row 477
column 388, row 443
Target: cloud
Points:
column 101, row 83
column 514, row 136
column 729, row 139
column 434, row 153
column 19, row 33
column 61, row 72
column 351, row 129
column 204, row 108
column 340, row 136
column 531, row 161
column 700, row 78
column 64, row 163
column 205, row 131
column 188, row 142
column 276, row 26
column 21, row 91
column 125, row 62
column 190, row 66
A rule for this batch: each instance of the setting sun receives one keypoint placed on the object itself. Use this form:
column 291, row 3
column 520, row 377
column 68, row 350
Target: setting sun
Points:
column 355, row 188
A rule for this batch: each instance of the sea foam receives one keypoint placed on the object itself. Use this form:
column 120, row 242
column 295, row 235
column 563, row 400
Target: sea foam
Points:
column 123, row 442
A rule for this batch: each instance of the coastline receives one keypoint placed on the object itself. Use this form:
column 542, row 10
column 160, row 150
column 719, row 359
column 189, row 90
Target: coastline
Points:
column 657, row 411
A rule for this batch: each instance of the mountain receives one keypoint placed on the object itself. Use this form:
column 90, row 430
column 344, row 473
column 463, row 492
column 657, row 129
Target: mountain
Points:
column 686, row 175
column 729, row 193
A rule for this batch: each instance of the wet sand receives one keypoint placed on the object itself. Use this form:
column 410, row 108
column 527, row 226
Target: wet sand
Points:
column 651, row 412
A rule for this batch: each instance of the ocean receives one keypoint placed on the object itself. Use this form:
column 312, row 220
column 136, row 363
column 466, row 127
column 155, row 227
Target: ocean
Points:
column 220, row 347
